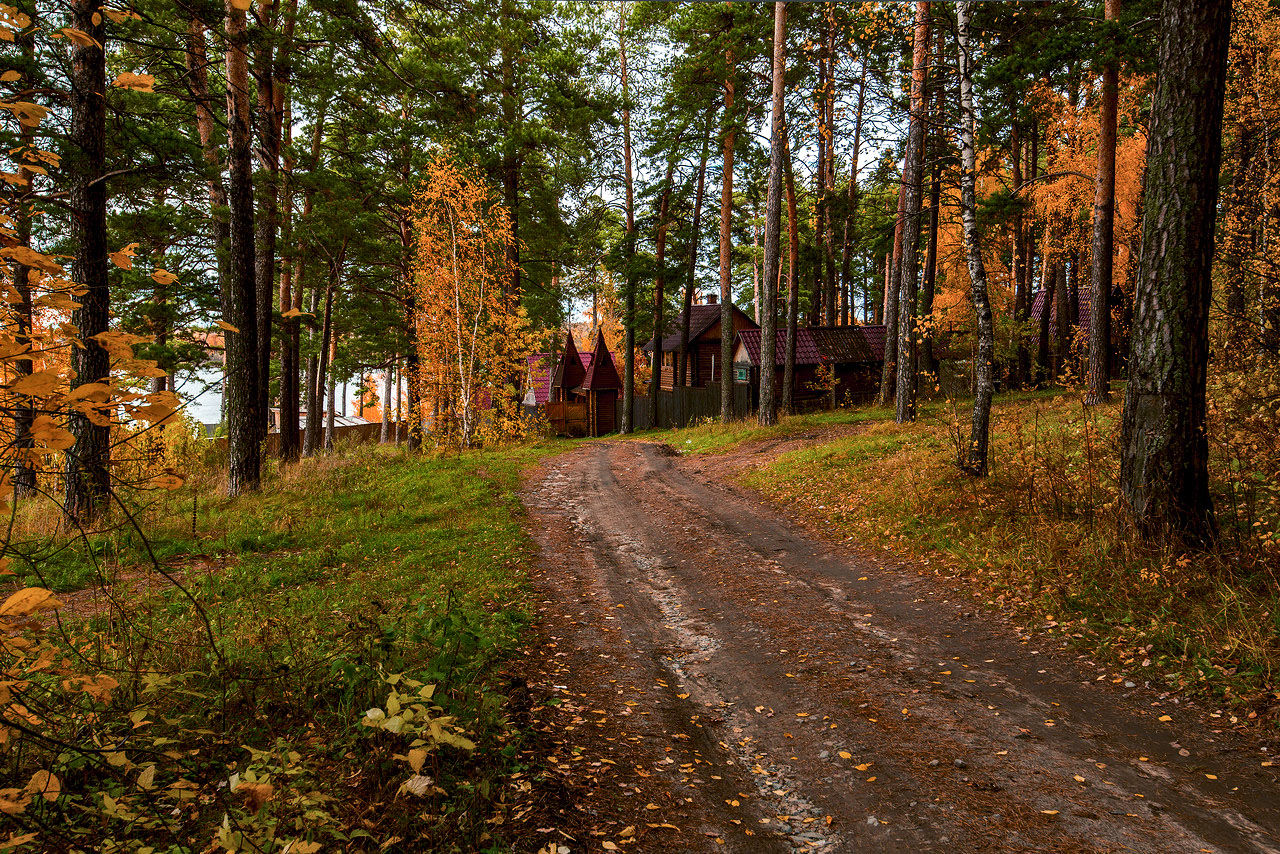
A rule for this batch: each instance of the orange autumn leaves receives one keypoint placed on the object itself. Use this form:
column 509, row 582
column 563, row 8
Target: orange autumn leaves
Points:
column 472, row 334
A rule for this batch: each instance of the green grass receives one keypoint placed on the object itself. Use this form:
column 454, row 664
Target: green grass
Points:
column 344, row 581
column 1041, row 537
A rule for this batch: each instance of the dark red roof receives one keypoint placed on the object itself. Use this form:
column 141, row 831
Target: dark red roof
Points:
column 701, row 318
column 570, row 371
column 842, row 344
column 807, row 352
column 540, row 377
column 602, row 374
column 1083, row 320
column 874, row 336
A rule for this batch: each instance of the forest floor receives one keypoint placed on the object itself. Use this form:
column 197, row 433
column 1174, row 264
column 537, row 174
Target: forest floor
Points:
column 712, row 672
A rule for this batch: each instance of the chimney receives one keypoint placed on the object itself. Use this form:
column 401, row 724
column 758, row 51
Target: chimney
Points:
column 711, row 299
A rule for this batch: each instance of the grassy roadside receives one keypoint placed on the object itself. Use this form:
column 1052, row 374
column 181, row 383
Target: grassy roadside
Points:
column 1040, row 537
column 328, row 678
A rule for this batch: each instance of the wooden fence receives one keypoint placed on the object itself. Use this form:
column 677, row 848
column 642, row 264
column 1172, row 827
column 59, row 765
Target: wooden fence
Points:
column 681, row 407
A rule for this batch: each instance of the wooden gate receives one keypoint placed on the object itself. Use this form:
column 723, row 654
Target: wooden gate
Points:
column 569, row 418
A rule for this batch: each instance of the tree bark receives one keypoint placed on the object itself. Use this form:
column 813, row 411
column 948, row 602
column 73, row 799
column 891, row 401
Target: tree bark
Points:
column 793, row 289
column 1164, row 472
column 659, row 289
column 726, row 249
column 206, row 126
column 629, row 247
column 24, row 413
column 851, row 215
column 1062, row 308
column 888, row 373
column 88, row 483
column 385, row 436
column 240, row 294
column 682, row 373
column 908, row 333
column 975, row 461
column 1104, row 208
column 768, row 413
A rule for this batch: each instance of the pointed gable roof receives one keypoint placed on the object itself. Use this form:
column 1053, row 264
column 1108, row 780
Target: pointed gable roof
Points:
column 570, row 371
column 602, row 374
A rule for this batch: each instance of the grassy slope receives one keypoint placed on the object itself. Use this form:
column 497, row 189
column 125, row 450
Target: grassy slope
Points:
column 347, row 571
column 1039, row 537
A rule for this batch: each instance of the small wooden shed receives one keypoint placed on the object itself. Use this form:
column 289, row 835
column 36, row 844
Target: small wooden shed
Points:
column 600, row 388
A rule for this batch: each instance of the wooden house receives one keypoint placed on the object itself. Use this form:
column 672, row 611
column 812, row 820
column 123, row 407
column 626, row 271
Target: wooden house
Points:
column 704, row 344
column 850, row 353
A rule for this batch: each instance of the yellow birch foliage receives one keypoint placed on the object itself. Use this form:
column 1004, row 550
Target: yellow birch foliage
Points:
column 472, row 334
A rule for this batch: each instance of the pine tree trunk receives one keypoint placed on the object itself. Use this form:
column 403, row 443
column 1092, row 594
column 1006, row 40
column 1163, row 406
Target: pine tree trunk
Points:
column 240, row 293
column 768, row 413
column 629, row 248
column 659, row 290
column 913, row 182
column 889, row 371
column 385, row 436
column 1062, row 306
column 975, row 462
column 206, row 126
column 682, row 375
column 726, row 250
column 793, row 289
column 846, row 256
column 88, row 483
column 24, row 474
column 1104, row 209
column 1042, row 323
column 1164, row 461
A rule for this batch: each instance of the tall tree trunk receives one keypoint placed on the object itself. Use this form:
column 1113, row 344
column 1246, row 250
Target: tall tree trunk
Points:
column 206, row 126
column 629, row 247
column 726, row 247
column 88, row 483
column 937, row 151
column 793, row 289
column 239, row 294
column 1104, row 211
column 975, row 460
column 682, row 374
column 928, row 358
column 889, row 371
column 413, row 383
column 1164, row 471
column 851, row 215
column 267, row 218
column 913, row 181
column 324, row 374
column 24, row 413
column 1042, row 322
column 385, row 437
column 827, row 107
column 331, row 409
column 1021, row 364
column 310, row 439
column 768, row 413
column 659, row 289
column 1062, row 307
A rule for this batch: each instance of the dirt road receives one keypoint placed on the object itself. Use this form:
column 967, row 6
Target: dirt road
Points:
column 721, row 680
